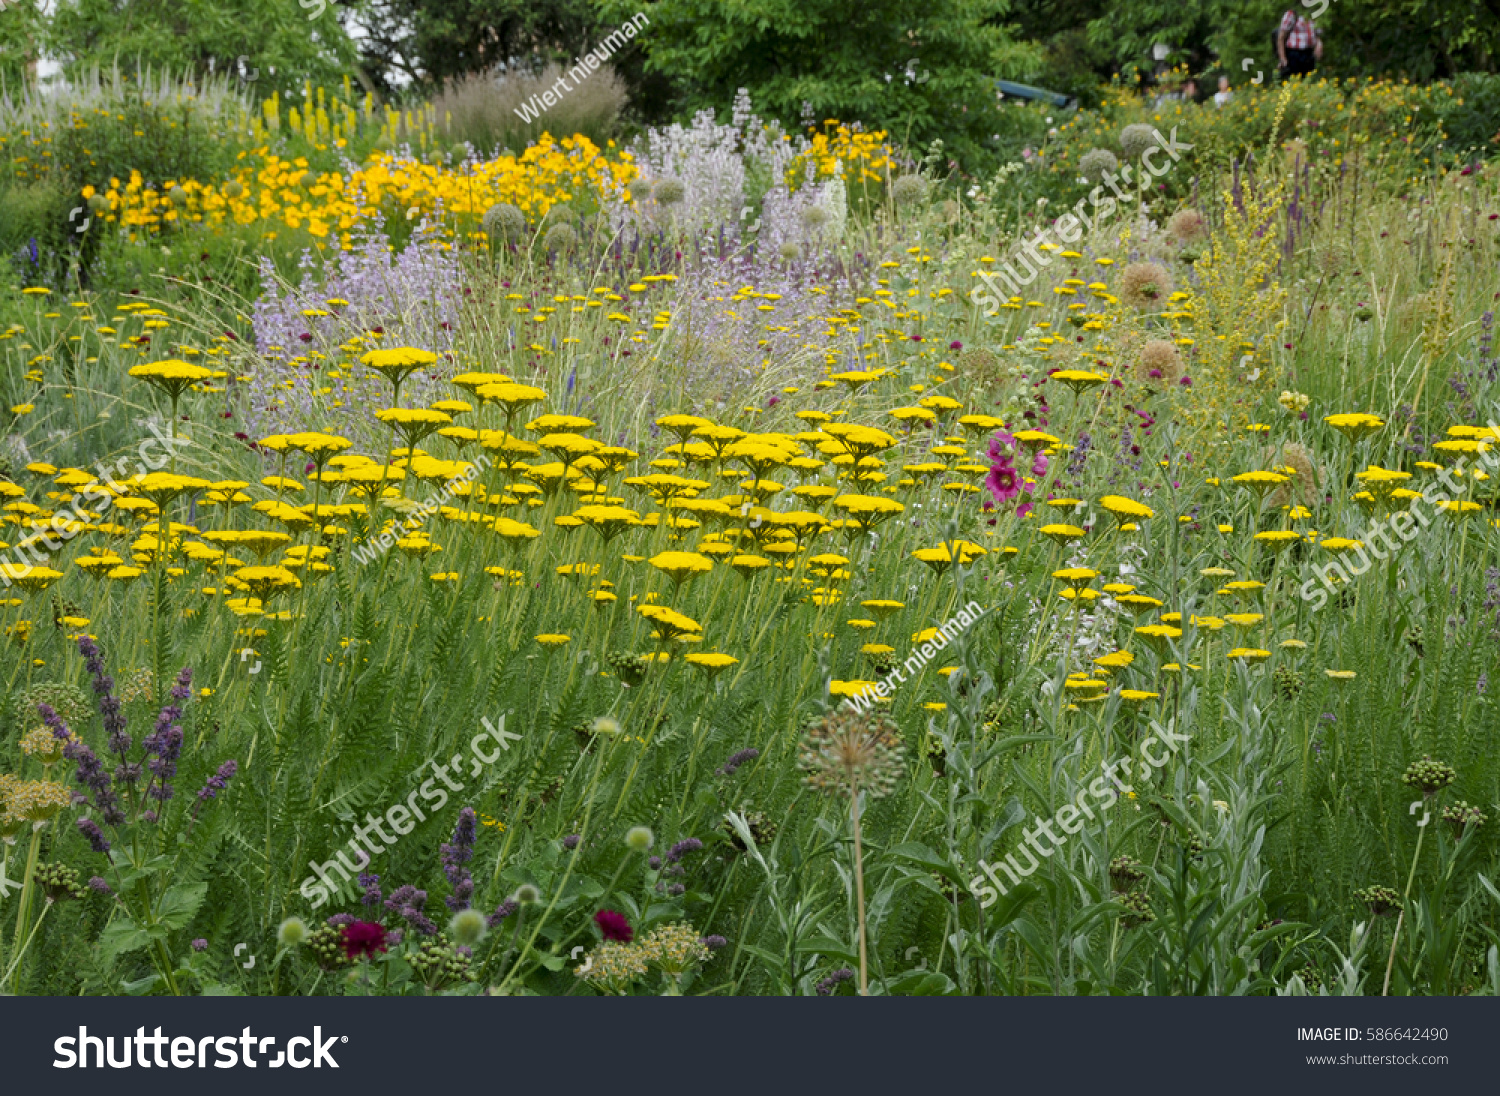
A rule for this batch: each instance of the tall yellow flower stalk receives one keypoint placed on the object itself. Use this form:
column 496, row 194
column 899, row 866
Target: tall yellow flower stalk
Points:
column 1241, row 301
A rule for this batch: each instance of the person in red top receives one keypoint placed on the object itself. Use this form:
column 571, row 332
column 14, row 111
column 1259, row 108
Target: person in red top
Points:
column 1298, row 45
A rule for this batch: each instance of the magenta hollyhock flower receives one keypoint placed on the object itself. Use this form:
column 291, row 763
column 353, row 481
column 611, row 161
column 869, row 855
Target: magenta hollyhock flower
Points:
column 363, row 939
column 613, row 926
column 1004, row 482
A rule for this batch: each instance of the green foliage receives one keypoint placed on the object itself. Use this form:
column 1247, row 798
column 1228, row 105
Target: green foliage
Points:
column 920, row 69
column 1420, row 39
column 433, row 43
column 264, row 44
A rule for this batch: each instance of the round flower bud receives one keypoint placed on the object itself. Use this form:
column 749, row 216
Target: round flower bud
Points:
column 639, row 838
column 467, row 927
column 668, row 191
column 561, row 237
column 1136, row 139
column 527, row 895
column 1096, row 162
column 503, row 221
column 292, row 932
column 908, row 190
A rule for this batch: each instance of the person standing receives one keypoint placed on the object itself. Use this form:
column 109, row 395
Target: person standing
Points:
column 1298, row 45
column 1223, row 95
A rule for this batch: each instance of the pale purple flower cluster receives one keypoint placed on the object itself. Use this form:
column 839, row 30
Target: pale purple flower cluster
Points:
column 409, row 902
column 732, row 766
column 165, row 740
column 90, row 773
column 412, row 298
column 219, row 781
column 502, row 911
column 455, row 855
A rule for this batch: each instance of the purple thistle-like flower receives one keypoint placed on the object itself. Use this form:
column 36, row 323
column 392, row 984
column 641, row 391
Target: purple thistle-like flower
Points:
column 455, row 854
column 408, row 901
column 219, row 780
column 570, row 842
column 90, row 829
column 104, row 688
column 682, row 848
column 340, row 919
column 90, row 772
column 97, row 884
column 200, row 944
column 127, row 772
column 502, row 911
column 371, row 883
column 54, row 722
column 832, row 982
column 165, row 740
column 730, row 767
column 713, row 943
column 654, row 863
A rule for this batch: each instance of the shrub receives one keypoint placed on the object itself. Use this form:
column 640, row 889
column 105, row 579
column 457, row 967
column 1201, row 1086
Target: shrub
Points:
column 39, row 232
column 1472, row 116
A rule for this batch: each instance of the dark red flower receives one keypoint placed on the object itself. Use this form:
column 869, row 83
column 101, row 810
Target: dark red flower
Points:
column 363, row 938
column 613, row 926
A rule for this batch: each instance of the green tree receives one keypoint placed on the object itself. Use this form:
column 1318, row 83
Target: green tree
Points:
column 266, row 43
column 418, row 41
column 921, row 69
column 1421, row 39
column 21, row 29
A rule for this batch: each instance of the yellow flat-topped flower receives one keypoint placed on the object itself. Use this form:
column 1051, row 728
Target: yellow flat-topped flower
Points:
column 510, row 396
column 1076, row 577
column 1079, row 379
column 396, row 363
column 681, row 566
column 1249, row 654
column 264, row 582
column 710, row 662
column 1062, row 534
column 1033, row 440
column 1354, row 425
column 668, row 623
column 172, row 376
column 559, row 424
column 473, row 381
column 1125, row 510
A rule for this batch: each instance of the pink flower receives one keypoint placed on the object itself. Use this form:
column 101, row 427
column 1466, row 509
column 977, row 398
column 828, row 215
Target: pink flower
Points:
column 613, row 926
column 363, row 938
